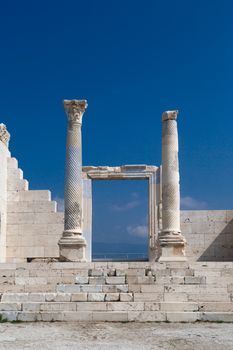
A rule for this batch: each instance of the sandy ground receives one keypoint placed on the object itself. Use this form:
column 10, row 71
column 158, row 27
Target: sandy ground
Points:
column 114, row 336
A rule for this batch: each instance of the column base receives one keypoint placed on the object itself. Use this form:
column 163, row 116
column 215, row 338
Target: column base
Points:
column 72, row 248
column 172, row 247
column 172, row 254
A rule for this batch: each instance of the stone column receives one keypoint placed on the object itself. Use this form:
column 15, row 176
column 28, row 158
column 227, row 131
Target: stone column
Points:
column 172, row 243
column 4, row 156
column 4, row 135
column 72, row 244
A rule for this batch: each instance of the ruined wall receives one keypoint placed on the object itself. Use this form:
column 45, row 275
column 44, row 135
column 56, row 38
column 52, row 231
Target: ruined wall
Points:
column 30, row 227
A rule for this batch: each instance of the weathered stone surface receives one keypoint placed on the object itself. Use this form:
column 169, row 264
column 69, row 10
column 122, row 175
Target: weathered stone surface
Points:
column 116, row 288
column 148, row 296
column 79, row 297
column 179, row 307
column 92, row 306
column 97, row 280
column 97, row 273
column 126, row 296
column 95, row 296
column 91, row 288
column 183, row 316
column 126, row 306
column 10, row 307
column 112, row 297
column 115, row 280
column 146, row 316
column 81, row 280
column 110, row 316
column 194, row 280
column 78, row 316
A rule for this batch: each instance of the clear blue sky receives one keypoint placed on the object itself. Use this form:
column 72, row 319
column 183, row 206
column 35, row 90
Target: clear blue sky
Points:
column 131, row 60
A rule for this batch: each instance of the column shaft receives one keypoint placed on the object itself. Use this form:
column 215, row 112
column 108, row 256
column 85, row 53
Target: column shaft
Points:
column 171, row 241
column 73, row 180
column 72, row 244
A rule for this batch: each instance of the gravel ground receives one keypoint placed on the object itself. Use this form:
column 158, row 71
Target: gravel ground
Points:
column 114, row 336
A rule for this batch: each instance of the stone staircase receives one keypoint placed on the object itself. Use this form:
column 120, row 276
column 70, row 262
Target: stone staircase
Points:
column 139, row 291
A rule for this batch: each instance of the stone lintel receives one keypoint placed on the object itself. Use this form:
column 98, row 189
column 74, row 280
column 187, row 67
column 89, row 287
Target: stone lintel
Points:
column 120, row 169
column 170, row 115
column 134, row 167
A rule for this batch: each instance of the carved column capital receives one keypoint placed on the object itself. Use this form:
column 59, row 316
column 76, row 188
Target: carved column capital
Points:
column 170, row 115
column 75, row 110
column 4, row 134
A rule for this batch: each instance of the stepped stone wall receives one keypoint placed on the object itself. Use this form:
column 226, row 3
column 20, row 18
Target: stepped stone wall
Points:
column 33, row 224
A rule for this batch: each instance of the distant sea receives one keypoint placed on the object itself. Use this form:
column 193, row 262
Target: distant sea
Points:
column 119, row 252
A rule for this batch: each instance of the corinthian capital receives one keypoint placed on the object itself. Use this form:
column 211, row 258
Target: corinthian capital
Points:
column 75, row 109
column 4, row 134
column 169, row 115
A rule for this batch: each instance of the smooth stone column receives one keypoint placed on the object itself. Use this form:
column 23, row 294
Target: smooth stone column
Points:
column 172, row 243
column 72, row 244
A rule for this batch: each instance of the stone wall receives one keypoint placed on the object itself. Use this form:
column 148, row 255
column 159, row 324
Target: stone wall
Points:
column 209, row 234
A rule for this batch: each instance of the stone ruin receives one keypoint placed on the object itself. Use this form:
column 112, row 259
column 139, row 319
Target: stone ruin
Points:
column 46, row 268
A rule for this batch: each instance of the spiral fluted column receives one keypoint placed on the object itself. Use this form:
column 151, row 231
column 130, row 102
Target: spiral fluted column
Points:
column 72, row 244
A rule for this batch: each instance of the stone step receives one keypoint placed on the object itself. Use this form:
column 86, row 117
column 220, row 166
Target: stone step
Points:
column 66, row 284
column 104, row 293
column 23, row 276
column 17, row 185
column 80, row 302
column 108, row 291
column 31, row 195
column 42, row 286
column 33, row 218
column 117, row 316
column 32, row 207
column 83, row 276
column 15, row 174
column 12, row 163
column 130, row 268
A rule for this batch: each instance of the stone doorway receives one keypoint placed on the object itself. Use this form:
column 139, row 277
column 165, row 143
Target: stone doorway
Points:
column 120, row 220
column 126, row 172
